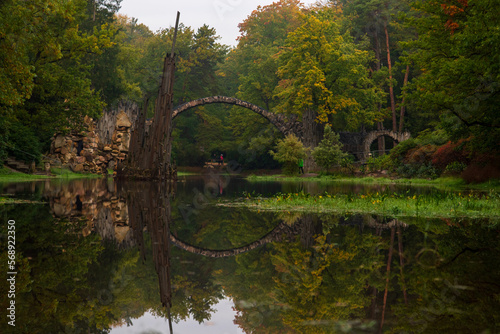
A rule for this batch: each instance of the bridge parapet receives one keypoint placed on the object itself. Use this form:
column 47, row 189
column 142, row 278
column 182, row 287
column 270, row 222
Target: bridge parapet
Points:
column 284, row 123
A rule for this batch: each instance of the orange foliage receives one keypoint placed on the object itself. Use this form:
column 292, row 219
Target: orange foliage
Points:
column 448, row 153
column 452, row 10
column 276, row 19
column 422, row 154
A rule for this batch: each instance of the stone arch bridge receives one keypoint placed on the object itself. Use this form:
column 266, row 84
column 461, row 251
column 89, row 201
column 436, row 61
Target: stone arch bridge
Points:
column 285, row 124
column 357, row 144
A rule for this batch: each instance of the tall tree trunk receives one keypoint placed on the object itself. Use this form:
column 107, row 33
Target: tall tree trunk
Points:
column 373, row 307
column 389, row 259
column 380, row 126
column 391, row 89
column 312, row 132
column 402, row 114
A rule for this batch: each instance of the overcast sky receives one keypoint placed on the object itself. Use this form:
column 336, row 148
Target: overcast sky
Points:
column 221, row 322
column 223, row 15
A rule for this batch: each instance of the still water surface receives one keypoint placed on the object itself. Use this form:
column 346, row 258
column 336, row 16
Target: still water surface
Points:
column 96, row 256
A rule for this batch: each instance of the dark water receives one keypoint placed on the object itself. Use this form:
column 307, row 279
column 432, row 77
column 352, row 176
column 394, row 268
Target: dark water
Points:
column 95, row 256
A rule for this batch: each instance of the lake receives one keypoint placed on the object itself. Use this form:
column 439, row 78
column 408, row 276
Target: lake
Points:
column 101, row 256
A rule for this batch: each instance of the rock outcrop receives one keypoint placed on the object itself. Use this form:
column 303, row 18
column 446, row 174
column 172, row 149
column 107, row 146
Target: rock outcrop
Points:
column 99, row 146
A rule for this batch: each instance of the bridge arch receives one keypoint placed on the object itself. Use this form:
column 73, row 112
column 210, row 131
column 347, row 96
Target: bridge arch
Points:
column 271, row 236
column 274, row 235
column 283, row 123
column 371, row 136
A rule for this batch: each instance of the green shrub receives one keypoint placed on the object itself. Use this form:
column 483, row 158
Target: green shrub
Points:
column 3, row 140
column 398, row 153
column 417, row 171
column 329, row 152
column 23, row 144
column 347, row 165
column 432, row 137
column 288, row 152
column 383, row 162
column 455, row 167
column 373, row 164
column 449, row 153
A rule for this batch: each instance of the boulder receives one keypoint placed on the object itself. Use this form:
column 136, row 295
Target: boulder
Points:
column 121, row 233
column 78, row 168
column 125, row 141
column 59, row 210
column 122, row 120
column 59, row 141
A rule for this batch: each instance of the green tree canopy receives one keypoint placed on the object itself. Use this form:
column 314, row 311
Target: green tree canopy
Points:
column 289, row 151
column 329, row 151
column 458, row 54
column 321, row 68
column 45, row 74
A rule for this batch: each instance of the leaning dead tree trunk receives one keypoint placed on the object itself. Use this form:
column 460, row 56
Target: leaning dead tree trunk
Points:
column 149, row 153
column 149, row 207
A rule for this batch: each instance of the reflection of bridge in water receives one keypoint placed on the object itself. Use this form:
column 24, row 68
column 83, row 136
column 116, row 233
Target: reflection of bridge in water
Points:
column 304, row 227
column 121, row 213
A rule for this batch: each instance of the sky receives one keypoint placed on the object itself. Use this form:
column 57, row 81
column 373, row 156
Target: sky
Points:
column 223, row 15
column 221, row 322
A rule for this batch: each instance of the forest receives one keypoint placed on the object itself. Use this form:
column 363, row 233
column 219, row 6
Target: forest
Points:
column 428, row 67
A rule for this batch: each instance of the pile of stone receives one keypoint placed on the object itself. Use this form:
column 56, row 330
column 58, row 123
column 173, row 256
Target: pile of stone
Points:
column 77, row 149
column 84, row 150
column 98, row 206
column 117, row 150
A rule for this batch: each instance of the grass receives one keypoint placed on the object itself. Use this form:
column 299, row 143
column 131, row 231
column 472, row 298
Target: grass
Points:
column 10, row 200
column 66, row 173
column 433, row 205
column 442, row 182
column 7, row 175
column 187, row 173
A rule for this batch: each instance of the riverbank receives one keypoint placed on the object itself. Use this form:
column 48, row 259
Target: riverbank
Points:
column 8, row 175
column 398, row 205
column 452, row 183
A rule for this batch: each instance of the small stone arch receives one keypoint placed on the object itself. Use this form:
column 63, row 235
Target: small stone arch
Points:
column 285, row 124
column 371, row 136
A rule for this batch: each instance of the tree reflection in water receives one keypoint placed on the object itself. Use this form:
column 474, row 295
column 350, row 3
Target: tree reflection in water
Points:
column 103, row 255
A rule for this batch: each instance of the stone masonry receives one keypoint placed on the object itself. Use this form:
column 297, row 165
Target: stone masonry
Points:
column 99, row 146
